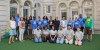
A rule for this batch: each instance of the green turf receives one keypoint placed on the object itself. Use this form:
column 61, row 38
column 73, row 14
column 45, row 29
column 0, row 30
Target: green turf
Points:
column 30, row 45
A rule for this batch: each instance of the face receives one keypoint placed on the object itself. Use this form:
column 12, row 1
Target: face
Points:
column 38, row 27
column 39, row 18
column 63, row 18
column 45, row 28
column 12, row 18
column 52, row 27
column 50, row 18
column 80, row 15
column 88, row 16
column 68, row 27
column 56, row 18
column 21, row 19
column 69, row 19
column 60, row 27
column 78, row 29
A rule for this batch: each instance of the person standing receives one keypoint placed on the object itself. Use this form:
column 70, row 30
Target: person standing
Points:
column 39, row 23
column 17, row 19
column 12, row 26
column 88, row 27
column 30, row 27
column 56, row 23
column 34, row 25
column 51, row 23
column 45, row 21
column 21, row 25
column 81, row 21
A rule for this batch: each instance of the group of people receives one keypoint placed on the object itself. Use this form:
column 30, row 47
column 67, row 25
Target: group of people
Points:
column 51, row 30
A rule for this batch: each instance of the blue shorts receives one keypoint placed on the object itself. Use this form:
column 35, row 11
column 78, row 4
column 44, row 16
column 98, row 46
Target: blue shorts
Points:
column 12, row 32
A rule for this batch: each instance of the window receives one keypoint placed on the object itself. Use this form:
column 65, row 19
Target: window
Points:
column 48, row 9
column 13, row 11
column 25, row 12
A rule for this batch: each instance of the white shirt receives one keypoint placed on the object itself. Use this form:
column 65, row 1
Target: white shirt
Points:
column 60, row 33
column 69, row 33
column 53, row 32
column 37, row 32
column 45, row 32
column 79, row 35
column 12, row 24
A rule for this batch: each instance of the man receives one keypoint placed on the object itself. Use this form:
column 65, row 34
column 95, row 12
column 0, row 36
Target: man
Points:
column 69, row 35
column 88, row 27
column 39, row 22
column 81, row 21
column 17, row 19
column 34, row 25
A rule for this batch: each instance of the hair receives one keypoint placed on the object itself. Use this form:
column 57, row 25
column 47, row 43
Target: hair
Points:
column 11, row 17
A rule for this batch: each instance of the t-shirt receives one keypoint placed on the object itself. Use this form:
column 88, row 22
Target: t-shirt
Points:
column 63, row 23
column 39, row 22
column 46, row 32
column 21, row 24
column 12, row 24
column 79, row 35
column 69, row 33
column 17, row 19
column 37, row 32
column 76, row 24
column 53, row 32
column 45, row 23
column 60, row 33
column 81, row 21
column 34, row 24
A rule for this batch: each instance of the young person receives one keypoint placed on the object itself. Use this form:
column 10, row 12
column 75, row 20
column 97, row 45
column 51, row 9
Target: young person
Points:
column 53, row 36
column 88, row 27
column 37, row 35
column 12, row 26
column 69, row 35
column 60, row 38
column 81, row 21
column 51, row 23
column 21, row 25
column 56, row 23
column 78, row 37
column 45, row 35
column 76, row 25
column 30, row 27
column 17, row 19
column 45, row 21
column 70, row 23
column 39, row 22
column 34, row 25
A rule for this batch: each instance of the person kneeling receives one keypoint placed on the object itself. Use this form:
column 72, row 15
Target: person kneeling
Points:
column 37, row 34
column 78, row 36
column 45, row 35
column 69, row 35
column 52, row 35
column 60, row 38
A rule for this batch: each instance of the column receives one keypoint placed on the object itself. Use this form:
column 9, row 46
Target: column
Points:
column 21, row 11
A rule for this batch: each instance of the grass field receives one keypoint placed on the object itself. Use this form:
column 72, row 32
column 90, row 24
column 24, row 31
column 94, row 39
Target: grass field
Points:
column 30, row 45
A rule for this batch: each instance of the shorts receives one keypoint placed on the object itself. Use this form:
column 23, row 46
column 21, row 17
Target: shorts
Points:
column 88, row 31
column 12, row 32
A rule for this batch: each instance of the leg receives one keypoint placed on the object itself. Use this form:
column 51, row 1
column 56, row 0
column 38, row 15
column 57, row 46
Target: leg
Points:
column 57, row 41
column 71, row 41
column 62, row 41
column 10, row 39
column 40, row 40
column 76, row 42
column 79, row 43
column 36, row 40
column 66, row 41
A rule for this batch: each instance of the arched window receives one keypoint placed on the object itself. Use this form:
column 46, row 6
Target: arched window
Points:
column 88, row 7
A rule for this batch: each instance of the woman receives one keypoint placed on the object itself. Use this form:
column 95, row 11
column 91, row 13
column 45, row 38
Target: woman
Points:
column 26, row 27
column 45, row 21
column 12, row 26
column 60, row 38
column 53, row 35
column 78, row 36
column 30, row 27
column 21, row 29
column 45, row 34
column 56, row 24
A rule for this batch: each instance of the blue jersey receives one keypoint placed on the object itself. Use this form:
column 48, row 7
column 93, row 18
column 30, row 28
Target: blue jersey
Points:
column 39, row 22
column 17, row 19
column 76, row 24
column 81, row 21
column 45, row 23
column 34, row 24
column 70, row 23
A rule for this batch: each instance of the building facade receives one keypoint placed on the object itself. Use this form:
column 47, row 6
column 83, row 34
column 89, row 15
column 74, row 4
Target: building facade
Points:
column 55, row 8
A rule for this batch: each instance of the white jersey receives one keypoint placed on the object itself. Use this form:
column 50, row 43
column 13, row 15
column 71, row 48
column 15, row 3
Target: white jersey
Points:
column 45, row 32
column 53, row 32
column 37, row 32
column 12, row 24
column 79, row 35
column 60, row 33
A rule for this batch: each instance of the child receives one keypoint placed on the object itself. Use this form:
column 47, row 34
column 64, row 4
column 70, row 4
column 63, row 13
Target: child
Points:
column 69, row 35
column 52, row 35
column 60, row 38
column 37, row 34
column 78, row 36
column 12, row 25
column 45, row 34
column 21, row 29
